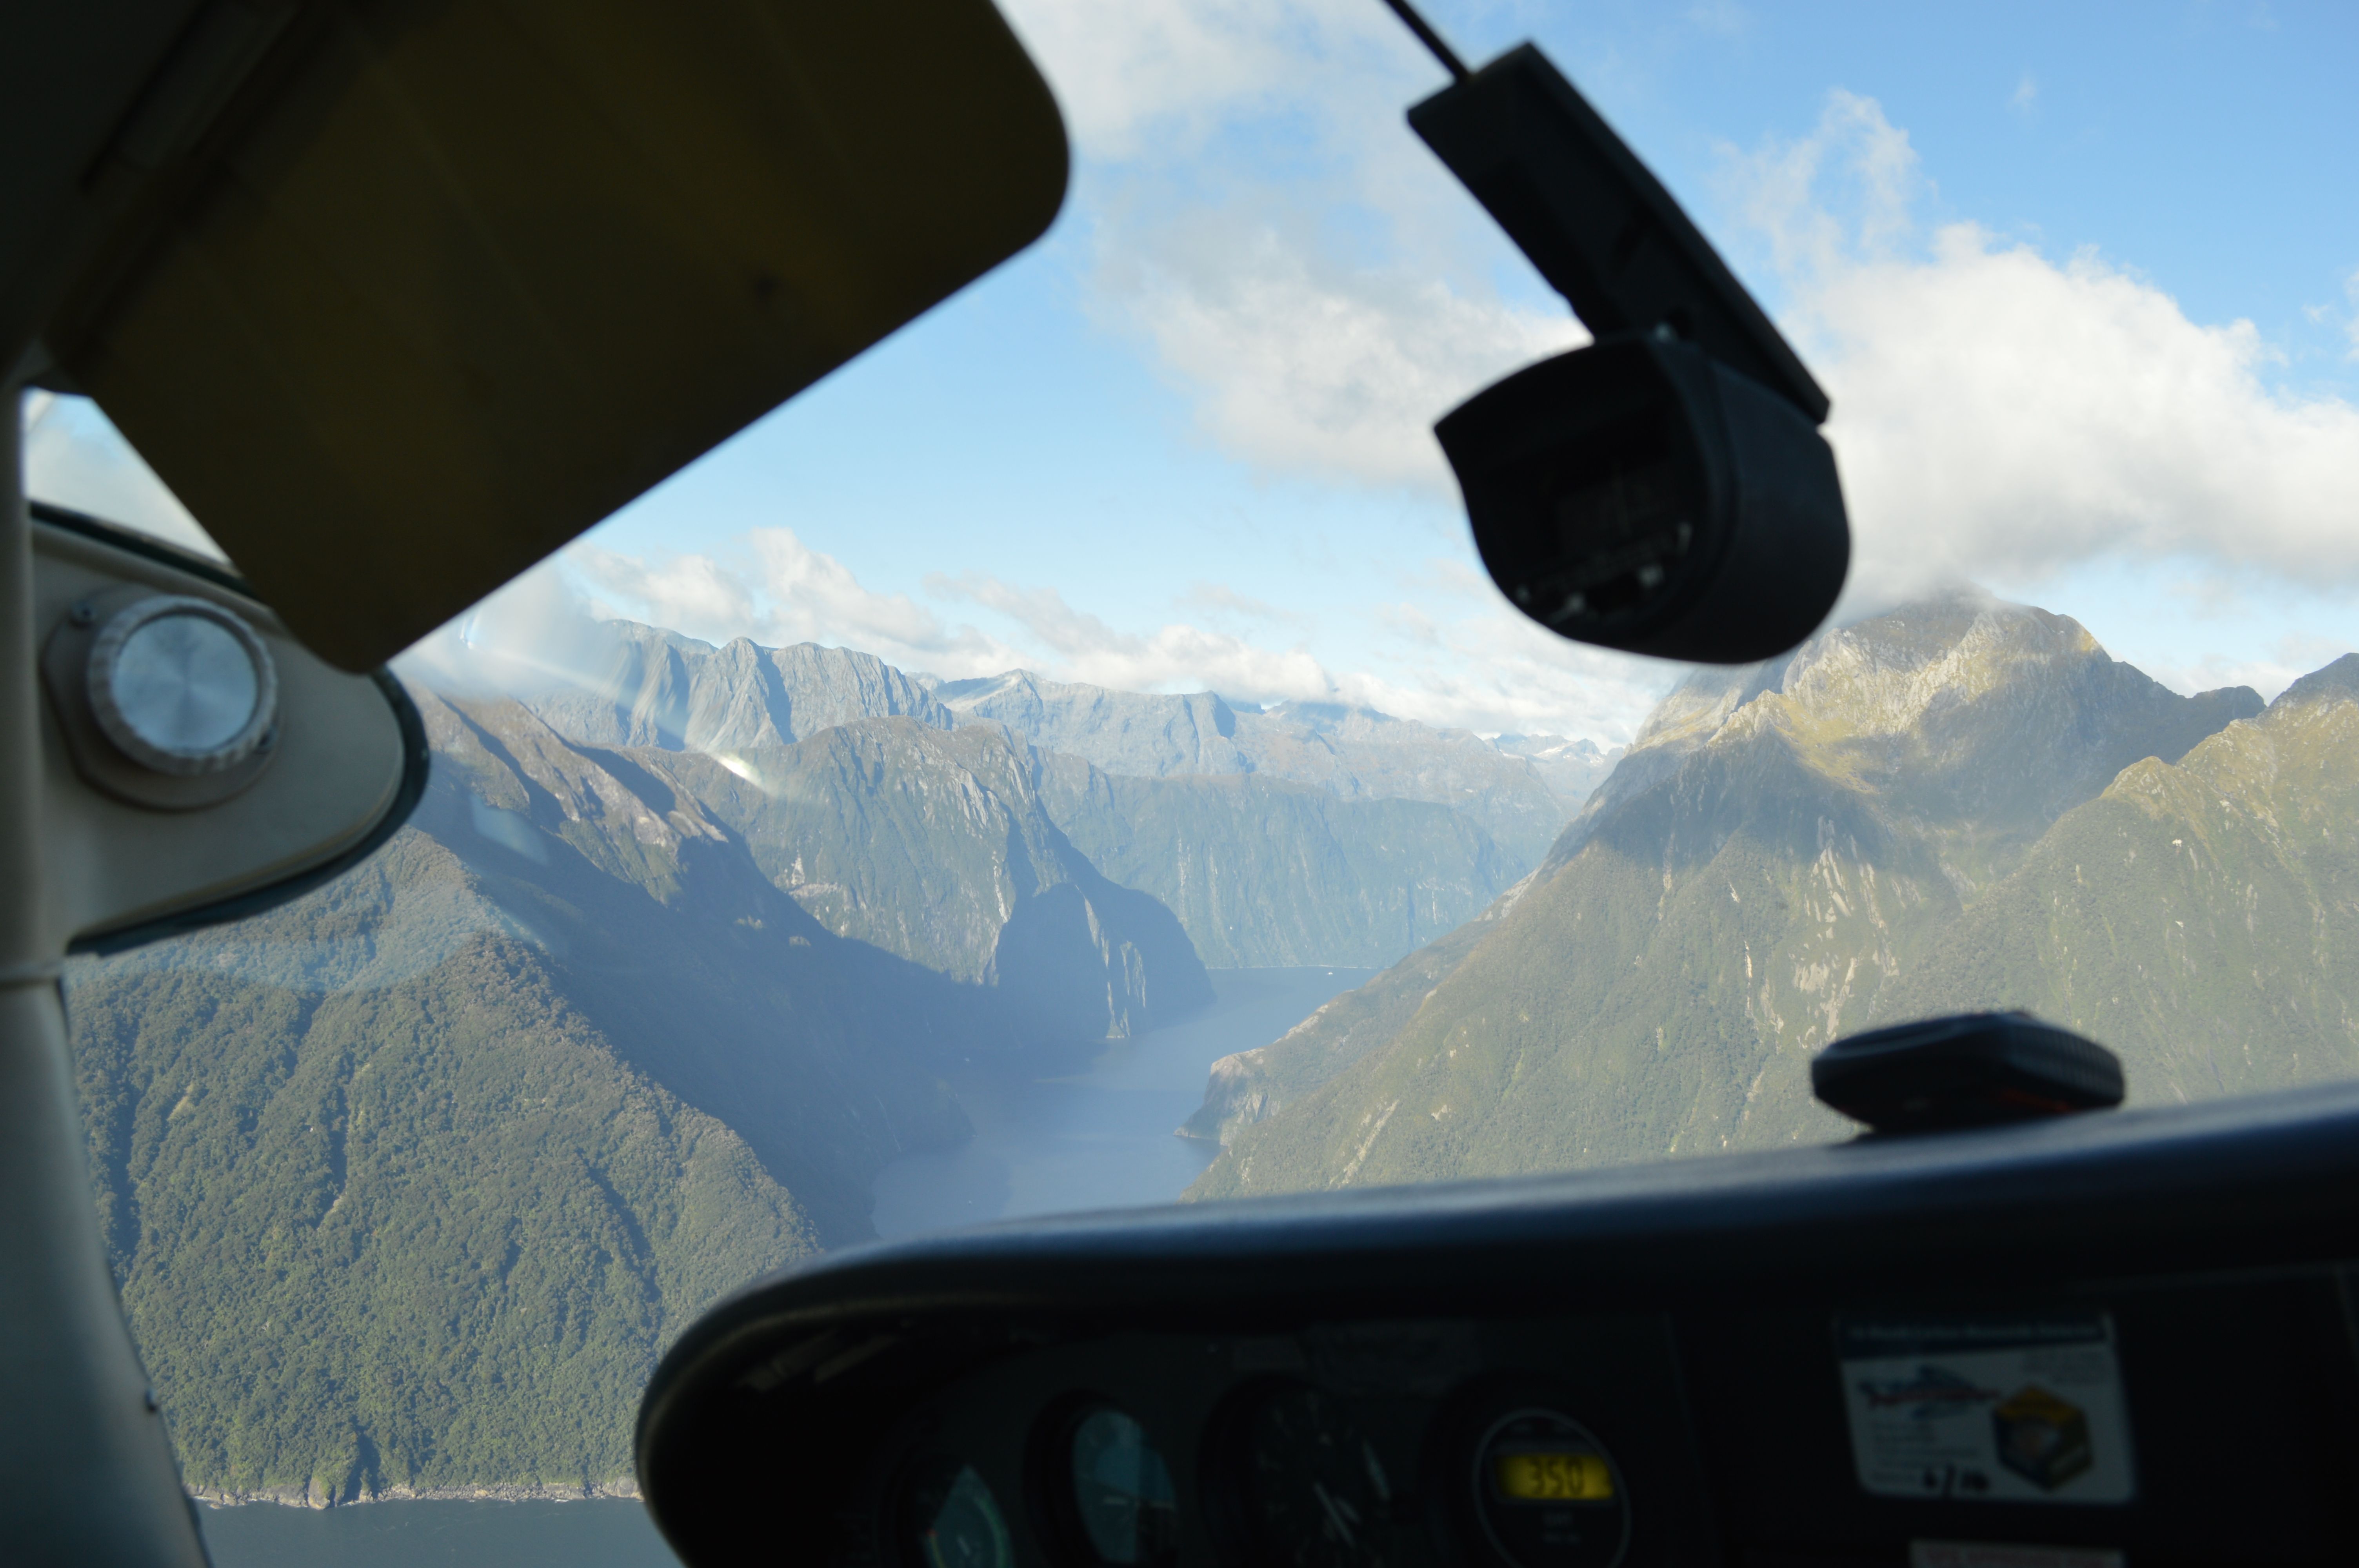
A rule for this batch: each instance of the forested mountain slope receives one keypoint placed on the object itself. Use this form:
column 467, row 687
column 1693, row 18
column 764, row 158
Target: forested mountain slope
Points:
column 935, row 844
column 1775, row 863
column 408, row 1182
column 2202, row 918
column 1252, row 1086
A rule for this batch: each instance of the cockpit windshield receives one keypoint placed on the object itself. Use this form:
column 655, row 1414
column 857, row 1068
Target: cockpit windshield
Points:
column 1074, row 755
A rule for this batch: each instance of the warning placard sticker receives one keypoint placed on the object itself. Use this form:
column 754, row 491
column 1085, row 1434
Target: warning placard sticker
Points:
column 2024, row 1409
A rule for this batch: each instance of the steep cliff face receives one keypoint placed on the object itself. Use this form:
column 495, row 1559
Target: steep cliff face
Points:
column 1137, row 734
column 1781, row 847
column 935, row 844
column 1266, row 872
column 643, row 686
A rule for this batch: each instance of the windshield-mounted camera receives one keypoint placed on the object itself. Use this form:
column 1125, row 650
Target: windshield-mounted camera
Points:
column 1665, row 489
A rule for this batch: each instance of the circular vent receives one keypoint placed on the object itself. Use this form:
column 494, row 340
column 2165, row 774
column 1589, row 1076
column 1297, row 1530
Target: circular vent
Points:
column 182, row 685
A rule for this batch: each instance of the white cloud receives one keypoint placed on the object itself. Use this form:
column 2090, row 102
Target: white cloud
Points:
column 1466, row 658
column 1303, row 363
column 784, row 592
column 1463, row 659
column 1998, row 413
column 2025, row 95
column 1328, row 305
column 532, row 635
column 1159, row 79
column 1458, row 657
column 1176, row 656
column 1219, row 600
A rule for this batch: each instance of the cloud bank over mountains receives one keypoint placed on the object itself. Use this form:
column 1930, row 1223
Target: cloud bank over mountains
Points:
column 1253, row 220
column 2002, row 414
column 1488, row 670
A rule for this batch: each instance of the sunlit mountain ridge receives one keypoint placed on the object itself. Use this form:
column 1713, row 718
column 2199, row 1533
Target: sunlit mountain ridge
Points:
column 1958, row 804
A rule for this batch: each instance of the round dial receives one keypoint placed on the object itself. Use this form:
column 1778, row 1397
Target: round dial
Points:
column 182, row 685
column 950, row 1520
column 1316, row 1495
column 1548, row 1493
column 1124, row 1501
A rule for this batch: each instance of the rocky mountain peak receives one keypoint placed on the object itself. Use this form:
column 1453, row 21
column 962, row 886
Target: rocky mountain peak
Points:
column 640, row 686
column 1960, row 713
column 2338, row 679
column 1880, row 676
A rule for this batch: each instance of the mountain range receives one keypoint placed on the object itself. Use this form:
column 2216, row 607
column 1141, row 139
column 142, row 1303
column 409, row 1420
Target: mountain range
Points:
column 681, row 950
column 674, row 955
column 1960, row 804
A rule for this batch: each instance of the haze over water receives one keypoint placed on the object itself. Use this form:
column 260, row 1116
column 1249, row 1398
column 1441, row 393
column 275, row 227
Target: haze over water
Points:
column 1102, row 1139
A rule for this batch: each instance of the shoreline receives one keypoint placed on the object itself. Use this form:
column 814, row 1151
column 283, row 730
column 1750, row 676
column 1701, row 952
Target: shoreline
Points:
column 623, row 1489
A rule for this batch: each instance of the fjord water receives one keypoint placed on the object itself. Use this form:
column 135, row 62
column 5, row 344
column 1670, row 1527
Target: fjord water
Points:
column 1102, row 1138
column 605, row 1533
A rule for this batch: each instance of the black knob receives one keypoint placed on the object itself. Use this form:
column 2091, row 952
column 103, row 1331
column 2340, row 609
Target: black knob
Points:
column 1970, row 1070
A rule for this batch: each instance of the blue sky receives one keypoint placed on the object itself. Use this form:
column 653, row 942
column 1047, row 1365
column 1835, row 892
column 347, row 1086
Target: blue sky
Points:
column 2081, row 279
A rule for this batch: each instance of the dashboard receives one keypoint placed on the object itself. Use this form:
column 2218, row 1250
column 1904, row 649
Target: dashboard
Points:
column 2125, row 1336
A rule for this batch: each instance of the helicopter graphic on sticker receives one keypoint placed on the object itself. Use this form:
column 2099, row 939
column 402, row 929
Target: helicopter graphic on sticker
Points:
column 2023, row 1408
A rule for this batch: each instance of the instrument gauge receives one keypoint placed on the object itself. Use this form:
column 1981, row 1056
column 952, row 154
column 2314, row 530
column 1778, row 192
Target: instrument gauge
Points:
column 1313, row 1491
column 1120, row 1501
column 948, row 1519
column 1548, row 1493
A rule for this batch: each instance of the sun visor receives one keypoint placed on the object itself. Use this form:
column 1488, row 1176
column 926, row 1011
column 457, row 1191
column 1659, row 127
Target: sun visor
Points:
column 447, row 283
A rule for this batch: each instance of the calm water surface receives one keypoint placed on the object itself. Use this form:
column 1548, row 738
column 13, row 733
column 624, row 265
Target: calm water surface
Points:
column 1102, row 1139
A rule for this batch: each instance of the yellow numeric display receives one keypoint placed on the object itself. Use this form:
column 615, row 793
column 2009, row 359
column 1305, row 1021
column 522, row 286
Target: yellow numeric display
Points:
column 1545, row 1477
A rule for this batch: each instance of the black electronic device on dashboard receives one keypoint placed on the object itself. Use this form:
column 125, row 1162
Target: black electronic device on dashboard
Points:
column 1969, row 1070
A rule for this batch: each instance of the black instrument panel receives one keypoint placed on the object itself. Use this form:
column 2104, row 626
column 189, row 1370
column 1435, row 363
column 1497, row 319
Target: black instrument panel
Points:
column 1386, row 1443
column 1596, row 1442
column 2131, row 1341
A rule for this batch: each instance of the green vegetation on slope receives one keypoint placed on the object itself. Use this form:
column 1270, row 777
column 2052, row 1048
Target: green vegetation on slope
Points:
column 1310, row 833
column 1250, row 1085
column 409, row 1182
column 1778, row 851
column 420, row 1235
column 2202, row 919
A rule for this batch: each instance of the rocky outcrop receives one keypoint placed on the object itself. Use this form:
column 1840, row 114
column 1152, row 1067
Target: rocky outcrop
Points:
column 1137, row 734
